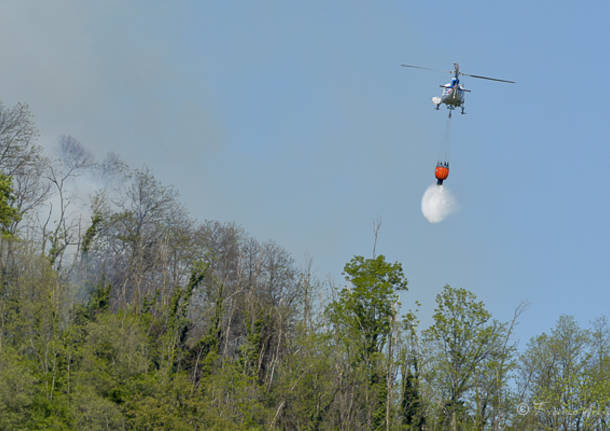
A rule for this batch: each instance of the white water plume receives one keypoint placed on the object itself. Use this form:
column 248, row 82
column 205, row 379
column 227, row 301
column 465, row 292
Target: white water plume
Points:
column 437, row 203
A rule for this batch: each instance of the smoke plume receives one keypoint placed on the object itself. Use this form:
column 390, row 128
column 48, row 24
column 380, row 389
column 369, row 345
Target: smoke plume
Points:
column 437, row 203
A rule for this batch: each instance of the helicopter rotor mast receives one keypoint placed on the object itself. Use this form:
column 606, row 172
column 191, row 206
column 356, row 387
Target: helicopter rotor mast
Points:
column 456, row 70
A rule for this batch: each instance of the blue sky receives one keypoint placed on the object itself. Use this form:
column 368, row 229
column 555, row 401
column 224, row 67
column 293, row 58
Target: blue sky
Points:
column 294, row 120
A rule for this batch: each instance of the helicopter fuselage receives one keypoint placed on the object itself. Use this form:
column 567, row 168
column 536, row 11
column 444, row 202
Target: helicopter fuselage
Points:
column 452, row 96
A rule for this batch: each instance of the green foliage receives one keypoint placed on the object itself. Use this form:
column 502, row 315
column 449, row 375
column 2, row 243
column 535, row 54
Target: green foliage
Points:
column 94, row 366
column 96, row 220
column 411, row 403
column 250, row 350
column 8, row 214
column 17, row 389
column 568, row 373
column 364, row 310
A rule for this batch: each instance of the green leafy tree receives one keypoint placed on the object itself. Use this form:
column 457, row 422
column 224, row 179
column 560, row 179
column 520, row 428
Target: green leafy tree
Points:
column 565, row 377
column 362, row 317
column 461, row 339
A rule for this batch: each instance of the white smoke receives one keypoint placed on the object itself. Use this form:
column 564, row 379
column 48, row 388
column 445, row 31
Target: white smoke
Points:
column 437, row 203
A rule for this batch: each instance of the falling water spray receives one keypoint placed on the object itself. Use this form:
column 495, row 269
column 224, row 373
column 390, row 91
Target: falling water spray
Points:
column 437, row 203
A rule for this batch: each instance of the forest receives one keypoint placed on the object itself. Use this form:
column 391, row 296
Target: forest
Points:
column 119, row 311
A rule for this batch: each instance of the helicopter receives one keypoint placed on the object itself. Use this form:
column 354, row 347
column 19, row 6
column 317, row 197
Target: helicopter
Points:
column 453, row 92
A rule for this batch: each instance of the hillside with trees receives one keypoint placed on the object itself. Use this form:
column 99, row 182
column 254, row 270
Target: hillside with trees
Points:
column 119, row 311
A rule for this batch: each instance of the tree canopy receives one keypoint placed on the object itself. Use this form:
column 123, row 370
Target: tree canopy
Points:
column 127, row 314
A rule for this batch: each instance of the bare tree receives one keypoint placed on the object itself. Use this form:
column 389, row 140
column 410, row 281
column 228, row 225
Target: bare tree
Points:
column 143, row 241
column 17, row 135
column 22, row 162
column 58, row 229
column 376, row 228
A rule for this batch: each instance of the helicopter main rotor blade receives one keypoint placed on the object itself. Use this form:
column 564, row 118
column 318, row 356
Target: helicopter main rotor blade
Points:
column 416, row 67
column 487, row 77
